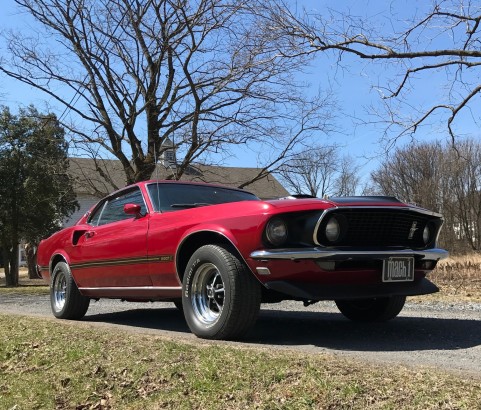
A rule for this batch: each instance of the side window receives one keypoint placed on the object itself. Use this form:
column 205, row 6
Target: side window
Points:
column 113, row 208
column 95, row 216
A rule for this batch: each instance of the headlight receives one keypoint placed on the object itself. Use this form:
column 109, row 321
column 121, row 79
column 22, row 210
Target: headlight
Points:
column 426, row 235
column 333, row 229
column 276, row 232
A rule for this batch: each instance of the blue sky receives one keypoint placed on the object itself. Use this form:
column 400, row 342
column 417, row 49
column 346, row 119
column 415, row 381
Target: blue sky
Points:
column 351, row 82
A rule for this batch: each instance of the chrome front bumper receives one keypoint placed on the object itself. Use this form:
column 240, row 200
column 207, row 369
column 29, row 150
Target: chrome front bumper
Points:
column 333, row 254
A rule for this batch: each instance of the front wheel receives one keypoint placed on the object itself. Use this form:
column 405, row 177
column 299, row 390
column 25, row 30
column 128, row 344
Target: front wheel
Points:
column 372, row 310
column 65, row 298
column 221, row 298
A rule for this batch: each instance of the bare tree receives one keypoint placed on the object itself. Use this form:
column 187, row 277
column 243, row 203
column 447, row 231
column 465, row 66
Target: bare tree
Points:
column 439, row 39
column 206, row 74
column 414, row 174
column 441, row 178
column 348, row 179
column 466, row 187
column 320, row 172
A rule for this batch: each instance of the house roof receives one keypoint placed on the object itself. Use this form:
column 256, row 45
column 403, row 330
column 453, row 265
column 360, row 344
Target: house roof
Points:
column 87, row 174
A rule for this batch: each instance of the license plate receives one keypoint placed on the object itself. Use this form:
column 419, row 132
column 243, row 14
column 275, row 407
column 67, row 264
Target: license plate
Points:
column 398, row 270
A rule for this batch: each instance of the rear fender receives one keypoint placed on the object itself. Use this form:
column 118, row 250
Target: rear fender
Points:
column 58, row 256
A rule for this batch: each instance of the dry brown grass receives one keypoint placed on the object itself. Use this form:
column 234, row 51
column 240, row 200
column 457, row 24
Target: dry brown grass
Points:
column 459, row 278
column 24, row 281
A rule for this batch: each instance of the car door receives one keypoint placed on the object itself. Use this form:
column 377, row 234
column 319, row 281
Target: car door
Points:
column 112, row 252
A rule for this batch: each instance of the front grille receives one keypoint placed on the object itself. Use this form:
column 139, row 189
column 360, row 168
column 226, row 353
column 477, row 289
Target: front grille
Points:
column 378, row 228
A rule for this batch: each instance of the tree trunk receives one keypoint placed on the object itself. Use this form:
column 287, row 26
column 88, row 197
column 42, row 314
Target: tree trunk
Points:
column 10, row 257
column 31, row 254
column 6, row 264
column 14, row 265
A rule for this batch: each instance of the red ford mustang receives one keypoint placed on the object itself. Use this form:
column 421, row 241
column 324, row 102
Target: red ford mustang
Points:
column 218, row 252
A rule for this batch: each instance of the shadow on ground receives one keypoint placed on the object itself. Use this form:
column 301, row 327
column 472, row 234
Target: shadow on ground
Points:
column 326, row 330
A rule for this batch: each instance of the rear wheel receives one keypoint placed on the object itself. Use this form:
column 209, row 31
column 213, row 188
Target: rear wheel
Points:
column 65, row 298
column 220, row 298
column 372, row 310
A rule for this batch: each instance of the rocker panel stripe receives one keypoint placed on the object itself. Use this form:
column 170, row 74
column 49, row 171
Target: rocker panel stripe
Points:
column 123, row 261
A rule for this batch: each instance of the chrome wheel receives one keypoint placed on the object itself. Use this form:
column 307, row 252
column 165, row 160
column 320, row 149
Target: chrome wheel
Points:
column 207, row 294
column 220, row 296
column 59, row 291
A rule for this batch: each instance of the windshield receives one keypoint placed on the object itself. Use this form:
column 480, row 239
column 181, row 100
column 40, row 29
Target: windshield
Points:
column 173, row 197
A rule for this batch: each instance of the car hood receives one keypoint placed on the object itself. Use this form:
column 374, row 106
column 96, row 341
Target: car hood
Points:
column 338, row 202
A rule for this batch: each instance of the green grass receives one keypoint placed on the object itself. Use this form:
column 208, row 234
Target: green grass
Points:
column 52, row 364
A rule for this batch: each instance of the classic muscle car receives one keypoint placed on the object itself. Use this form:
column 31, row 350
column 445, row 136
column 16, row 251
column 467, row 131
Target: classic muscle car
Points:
column 218, row 253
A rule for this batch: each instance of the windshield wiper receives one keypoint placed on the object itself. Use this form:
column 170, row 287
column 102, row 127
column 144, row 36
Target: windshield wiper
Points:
column 194, row 205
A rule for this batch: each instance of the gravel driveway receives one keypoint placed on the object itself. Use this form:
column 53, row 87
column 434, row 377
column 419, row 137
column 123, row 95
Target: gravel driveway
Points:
column 434, row 334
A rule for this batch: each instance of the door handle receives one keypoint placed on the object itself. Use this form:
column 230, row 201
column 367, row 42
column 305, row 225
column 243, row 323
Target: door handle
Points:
column 89, row 234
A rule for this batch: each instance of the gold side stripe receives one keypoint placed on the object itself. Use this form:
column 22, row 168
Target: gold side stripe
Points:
column 125, row 261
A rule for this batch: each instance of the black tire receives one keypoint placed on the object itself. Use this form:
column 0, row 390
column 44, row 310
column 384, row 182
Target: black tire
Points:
column 372, row 310
column 220, row 296
column 65, row 299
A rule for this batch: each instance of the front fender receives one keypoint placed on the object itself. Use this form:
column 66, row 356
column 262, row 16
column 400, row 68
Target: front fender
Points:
column 200, row 236
column 210, row 228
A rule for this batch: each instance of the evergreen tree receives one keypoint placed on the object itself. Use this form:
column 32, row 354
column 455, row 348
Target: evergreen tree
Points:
column 36, row 192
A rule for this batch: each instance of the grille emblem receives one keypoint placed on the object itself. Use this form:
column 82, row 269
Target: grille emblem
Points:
column 413, row 229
